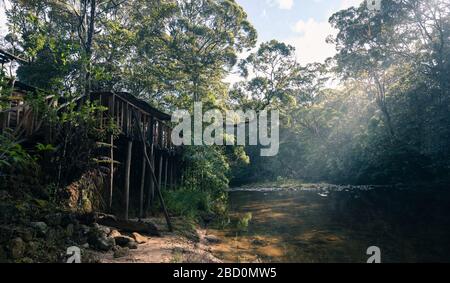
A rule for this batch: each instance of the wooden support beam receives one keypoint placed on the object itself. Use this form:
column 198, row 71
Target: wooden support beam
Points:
column 127, row 177
column 158, row 188
column 160, row 168
column 151, row 193
column 165, row 171
column 111, row 172
column 141, row 196
column 172, row 163
column 111, row 153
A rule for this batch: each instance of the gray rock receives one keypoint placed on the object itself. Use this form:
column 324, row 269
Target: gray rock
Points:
column 98, row 240
column 25, row 234
column 212, row 239
column 132, row 245
column 54, row 219
column 123, row 241
column 32, row 247
column 16, row 248
column 52, row 235
column 40, row 227
column 103, row 229
column 121, row 252
column 101, row 243
column 84, row 229
column 258, row 242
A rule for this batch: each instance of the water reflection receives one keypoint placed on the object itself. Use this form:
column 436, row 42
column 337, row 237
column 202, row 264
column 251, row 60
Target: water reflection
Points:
column 338, row 226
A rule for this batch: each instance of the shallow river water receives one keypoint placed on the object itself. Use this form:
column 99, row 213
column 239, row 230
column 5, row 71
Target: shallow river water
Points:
column 336, row 224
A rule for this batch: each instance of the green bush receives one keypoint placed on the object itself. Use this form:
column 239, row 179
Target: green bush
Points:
column 187, row 202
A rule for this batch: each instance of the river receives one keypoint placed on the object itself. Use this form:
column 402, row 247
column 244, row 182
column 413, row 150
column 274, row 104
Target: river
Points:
column 325, row 223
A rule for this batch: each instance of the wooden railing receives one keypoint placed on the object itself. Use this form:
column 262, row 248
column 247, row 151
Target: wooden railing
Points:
column 153, row 123
column 21, row 117
column 24, row 120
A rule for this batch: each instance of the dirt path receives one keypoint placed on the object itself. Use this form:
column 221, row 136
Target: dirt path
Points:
column 169, row 248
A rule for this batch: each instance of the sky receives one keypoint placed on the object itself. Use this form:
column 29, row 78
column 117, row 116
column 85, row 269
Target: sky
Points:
column 300, row 23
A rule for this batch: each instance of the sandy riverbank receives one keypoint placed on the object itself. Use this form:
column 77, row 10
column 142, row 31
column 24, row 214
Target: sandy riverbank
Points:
column 169, row 248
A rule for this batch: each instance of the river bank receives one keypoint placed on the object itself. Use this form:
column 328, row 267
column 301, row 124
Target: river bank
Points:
column 35, row 231
column 187, row 244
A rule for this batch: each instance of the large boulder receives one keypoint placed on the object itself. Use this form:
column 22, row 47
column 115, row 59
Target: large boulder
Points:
column 97, row 238
column 145, row 228
column 132, row 245
column 101, row 242
column 139, row 238
column 114, row 233
column 103, row 229
column 123, row 241
column 40, row 227
column 16, row 248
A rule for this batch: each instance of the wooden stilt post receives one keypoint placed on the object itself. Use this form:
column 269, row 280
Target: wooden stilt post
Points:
column 172, row 161
column 111, row 154
column 157, row 187
column 160, row 168
column 158, row 190
column 111, row 172
column 152, row 184
column 141, row 197
column 165, row 172
column 127, row 177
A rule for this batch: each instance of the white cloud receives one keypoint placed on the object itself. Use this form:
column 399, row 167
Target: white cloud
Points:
column 345, row 4
column 282, row 4
column 311, row 44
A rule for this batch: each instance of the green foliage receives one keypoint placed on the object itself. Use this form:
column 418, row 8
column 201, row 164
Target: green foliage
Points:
column 13, row 155
column 45, row 147
column 206, row 172
column 243, row 222
column 189, row 203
